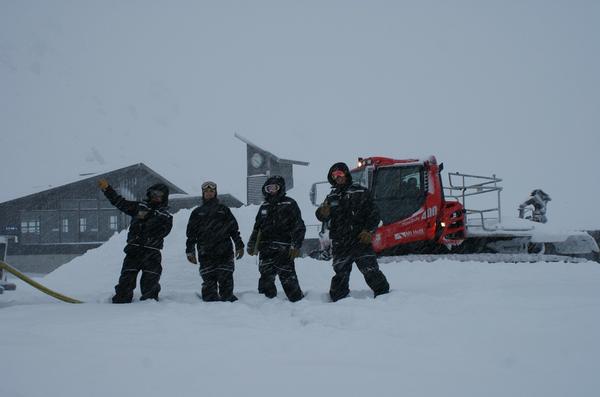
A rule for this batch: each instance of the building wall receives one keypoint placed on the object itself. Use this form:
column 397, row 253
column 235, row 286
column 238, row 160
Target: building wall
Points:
column 254, row 191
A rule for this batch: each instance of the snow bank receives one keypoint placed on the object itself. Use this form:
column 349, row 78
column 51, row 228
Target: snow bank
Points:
column 446, row 329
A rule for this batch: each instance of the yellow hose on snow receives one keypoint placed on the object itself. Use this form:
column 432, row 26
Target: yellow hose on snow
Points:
column 37, row 285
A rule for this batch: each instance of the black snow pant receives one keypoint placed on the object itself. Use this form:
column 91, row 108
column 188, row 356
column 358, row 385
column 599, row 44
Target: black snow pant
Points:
column 217, row 279
column 366, row 261
column 146, row 260
column 274, row 263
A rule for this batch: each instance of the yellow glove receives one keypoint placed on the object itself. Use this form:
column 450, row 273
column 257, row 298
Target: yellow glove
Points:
column 103, row 184
column 364, row 237
column 294, row 253
column 325, row 209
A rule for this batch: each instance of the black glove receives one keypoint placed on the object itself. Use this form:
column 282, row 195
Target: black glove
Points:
column 250, row 250
column 239, row 252
column 192, row 258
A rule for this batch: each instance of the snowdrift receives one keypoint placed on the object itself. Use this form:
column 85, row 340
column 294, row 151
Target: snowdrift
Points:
column 447, row 328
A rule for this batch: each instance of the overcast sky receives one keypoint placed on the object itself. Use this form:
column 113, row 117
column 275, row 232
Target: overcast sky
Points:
column 510, row 88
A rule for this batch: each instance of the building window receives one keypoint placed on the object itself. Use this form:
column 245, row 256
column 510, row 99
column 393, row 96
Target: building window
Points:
column 113, row 223
column 65, row 225
column 82, row 225
column 11, row 229
column 30, row 227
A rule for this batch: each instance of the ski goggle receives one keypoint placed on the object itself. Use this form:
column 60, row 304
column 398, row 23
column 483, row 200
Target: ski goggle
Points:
column 336, row 173
column 272, row 188
column 209, row 186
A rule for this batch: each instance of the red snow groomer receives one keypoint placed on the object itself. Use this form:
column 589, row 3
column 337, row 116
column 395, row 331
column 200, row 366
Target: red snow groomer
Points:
column 421, row 216
column 410, row 197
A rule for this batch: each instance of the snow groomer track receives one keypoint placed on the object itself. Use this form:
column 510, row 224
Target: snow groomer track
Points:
column 486, row 258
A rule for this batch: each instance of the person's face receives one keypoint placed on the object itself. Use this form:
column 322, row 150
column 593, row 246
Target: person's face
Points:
column 156, row 196
column 208, row 194
column 339, row 177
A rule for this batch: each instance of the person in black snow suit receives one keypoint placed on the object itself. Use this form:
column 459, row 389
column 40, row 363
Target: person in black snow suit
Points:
column 277, row 237
column 210, row 229
column 150, row 224
column 353, row 218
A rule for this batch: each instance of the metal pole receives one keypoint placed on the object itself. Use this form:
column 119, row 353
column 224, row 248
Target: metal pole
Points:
column 463, row 192
column 499, row 206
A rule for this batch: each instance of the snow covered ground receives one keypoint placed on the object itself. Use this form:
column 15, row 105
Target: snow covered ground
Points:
column 446, row 329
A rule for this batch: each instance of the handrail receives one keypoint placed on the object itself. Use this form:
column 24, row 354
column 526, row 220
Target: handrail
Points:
column 468, row 188
column 479, row 188
column 481, row 215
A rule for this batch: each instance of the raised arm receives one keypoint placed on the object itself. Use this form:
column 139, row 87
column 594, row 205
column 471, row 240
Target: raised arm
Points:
column 126, row 206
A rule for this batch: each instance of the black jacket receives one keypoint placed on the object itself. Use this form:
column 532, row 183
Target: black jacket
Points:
column 352, row 210
column 210, row 229
column 150, row 223
column 279, row 221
